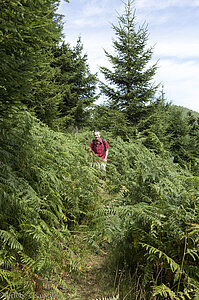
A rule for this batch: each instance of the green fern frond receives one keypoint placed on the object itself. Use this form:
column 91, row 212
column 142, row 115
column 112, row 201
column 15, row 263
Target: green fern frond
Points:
column 25, row 259
column 165, row 292
column 5, row 275
column 9, row 239
column 193, row 253
column 152, row 250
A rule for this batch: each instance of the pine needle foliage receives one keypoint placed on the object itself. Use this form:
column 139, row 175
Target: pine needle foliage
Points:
column 129, row 87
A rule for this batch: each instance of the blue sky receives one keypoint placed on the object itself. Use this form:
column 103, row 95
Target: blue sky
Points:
column 173, row 27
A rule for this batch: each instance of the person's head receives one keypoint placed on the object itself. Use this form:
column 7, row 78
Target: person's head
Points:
column 97, row 135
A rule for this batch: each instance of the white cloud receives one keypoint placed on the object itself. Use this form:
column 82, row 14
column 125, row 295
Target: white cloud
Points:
column 170, row 13
column 181, row 49
column 180, row 82
column 82, row 22
column 95, row 7
column 90, row 14
column 95, row 49
column 162, row 4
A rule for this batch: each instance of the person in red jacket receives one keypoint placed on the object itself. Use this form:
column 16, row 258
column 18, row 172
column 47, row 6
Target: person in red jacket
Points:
column 99, row 150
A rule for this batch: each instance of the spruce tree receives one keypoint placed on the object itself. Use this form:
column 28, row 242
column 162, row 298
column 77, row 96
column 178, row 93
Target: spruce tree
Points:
column 28, row 30
column 45, row 96
column 105, row 119
column 183, row 131
column 78, row 84
column 129, row 84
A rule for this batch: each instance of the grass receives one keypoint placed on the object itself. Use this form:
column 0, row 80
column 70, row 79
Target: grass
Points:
column 92, row 282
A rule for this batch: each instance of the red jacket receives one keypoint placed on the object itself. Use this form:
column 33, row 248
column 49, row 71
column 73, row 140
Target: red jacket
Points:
column 99, row 148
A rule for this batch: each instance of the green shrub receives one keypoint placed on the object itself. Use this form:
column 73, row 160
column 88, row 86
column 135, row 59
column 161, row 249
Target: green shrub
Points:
column 147, row 222
column 47, row 187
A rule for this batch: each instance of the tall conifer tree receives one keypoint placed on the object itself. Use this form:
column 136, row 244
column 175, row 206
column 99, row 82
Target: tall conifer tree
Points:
column 28, row 30
column 129, row 86
column 78, row 84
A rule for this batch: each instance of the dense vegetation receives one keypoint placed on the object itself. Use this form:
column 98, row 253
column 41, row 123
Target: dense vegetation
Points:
column 53, row 203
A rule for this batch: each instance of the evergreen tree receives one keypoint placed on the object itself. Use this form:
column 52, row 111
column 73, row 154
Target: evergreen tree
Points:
column 129, row 86
column 105, row 118
column 27, row 29
column 193, row 121
column 153, row 129
column 78, row 84
column 45, row 98
column 182, row 129
column 178, row 130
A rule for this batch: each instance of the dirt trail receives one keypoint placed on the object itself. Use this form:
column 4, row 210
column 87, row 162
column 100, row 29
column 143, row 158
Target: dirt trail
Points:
column 94, row 283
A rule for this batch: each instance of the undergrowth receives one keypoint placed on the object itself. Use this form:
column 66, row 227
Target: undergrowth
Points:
column 148, row 224
column 47, row 187
column 56, row 212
